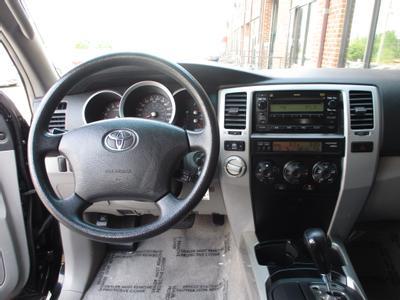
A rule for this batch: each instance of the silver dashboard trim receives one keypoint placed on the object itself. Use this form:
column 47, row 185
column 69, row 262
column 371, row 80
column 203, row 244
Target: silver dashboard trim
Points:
column 148, row 83
column 359, row 169
column 353, row 281
column 178, row 91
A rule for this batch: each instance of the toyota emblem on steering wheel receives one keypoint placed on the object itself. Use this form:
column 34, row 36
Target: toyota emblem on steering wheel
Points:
column 120, row 140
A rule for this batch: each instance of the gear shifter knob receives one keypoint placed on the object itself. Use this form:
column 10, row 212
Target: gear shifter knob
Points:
column 318, row 246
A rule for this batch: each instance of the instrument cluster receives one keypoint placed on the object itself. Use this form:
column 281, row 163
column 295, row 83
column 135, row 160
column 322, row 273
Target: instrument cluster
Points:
column 148, row 100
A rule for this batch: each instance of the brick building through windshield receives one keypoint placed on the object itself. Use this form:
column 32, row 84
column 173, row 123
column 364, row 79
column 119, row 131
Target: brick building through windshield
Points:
column 319, row 33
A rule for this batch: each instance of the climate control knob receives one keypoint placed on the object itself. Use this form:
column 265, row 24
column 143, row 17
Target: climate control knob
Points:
column 266, row 171
column 294, row 172
column 324, row 171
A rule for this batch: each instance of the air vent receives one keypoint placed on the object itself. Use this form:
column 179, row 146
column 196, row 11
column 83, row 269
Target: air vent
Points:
column 57, row 121
column 235, row 111
column 361, row 110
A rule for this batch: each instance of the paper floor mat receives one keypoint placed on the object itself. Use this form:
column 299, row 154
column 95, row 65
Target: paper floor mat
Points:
column 197, row 263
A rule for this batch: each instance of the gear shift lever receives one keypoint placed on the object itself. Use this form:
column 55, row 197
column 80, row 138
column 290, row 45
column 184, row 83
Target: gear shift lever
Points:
column 318, row 246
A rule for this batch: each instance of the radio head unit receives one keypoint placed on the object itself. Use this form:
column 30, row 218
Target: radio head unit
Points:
column 296, row 111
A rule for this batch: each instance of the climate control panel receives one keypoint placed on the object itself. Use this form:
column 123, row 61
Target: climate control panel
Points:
column 296, row 172
column 306, row 174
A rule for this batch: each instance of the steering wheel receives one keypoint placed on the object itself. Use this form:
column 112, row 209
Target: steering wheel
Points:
column 126, row 158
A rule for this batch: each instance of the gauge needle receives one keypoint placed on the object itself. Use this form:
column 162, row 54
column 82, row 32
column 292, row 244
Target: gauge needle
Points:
column 153, row 114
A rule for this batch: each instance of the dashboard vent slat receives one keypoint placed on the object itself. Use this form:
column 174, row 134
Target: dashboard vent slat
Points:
column 361, row 110
column 57, row 121
column 235, row 111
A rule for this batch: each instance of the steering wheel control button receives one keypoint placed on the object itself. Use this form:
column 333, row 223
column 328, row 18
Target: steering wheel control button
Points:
column 234, row 145
column 235, row 166
column 120, row 140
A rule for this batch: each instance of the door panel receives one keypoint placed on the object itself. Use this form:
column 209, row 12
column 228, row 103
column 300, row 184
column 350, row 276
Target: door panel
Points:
column 14, row 255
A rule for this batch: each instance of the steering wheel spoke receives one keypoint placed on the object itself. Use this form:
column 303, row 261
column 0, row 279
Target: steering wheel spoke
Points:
column 73, row 206
column 197, row 140
column 48, row 143
column 168, row 205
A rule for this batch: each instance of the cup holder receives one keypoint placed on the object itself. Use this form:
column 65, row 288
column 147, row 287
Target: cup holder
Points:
column 280, row 253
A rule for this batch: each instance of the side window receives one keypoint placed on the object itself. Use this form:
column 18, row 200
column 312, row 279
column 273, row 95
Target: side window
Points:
column 11, row 84
column 374, row 40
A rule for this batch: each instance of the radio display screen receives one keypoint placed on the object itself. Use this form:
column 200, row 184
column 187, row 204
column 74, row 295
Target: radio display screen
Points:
column 300, row 146
column 296, row 107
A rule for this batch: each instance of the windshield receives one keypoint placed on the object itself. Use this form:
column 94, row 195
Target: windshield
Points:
column 253, row 34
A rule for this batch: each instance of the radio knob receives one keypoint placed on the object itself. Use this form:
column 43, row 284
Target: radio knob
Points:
column 324, row 171
column 294, row 172
column 332, row 104
column 266, row 171
column 262, row 104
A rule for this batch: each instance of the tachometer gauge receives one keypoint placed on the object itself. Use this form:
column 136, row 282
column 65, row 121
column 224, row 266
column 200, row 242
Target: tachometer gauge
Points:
column 154, row 107
column 111, row 110
column 101, row 105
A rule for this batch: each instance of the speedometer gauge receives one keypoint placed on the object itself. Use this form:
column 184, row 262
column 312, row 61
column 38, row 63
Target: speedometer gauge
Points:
column 148, row 100
column 154, row 107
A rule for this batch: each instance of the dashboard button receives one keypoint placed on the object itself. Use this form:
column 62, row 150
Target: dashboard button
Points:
column 262, row 105
column 234, row 132
column 332, row 104
column 234, row 145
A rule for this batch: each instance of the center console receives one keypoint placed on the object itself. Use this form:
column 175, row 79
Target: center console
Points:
column 295, row 179
column 296, row 157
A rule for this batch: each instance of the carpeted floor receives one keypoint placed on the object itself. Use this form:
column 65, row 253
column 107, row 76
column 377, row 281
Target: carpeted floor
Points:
column 197, row 263
column 376, row 259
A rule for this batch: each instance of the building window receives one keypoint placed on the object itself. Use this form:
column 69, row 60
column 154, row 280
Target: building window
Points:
column 300, row 36
column 374, row 40
column 386, row 46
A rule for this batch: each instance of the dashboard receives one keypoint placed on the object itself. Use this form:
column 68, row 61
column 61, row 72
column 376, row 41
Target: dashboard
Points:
column 144, row 99
column 298, row 148
column 284, row 134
